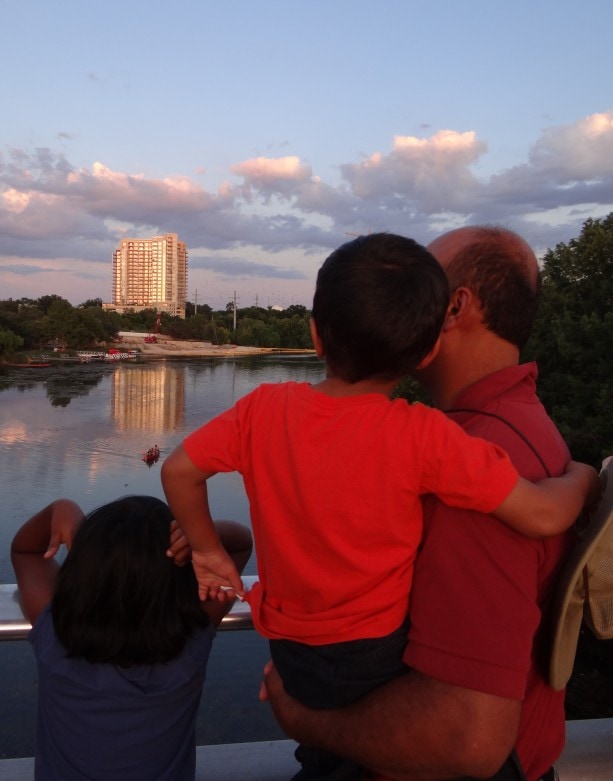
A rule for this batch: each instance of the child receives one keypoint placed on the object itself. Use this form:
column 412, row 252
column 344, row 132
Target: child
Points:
column 120, row 639
column 334, row 473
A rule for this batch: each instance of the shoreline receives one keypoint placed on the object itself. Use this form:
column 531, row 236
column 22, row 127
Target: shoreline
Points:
column 164, row 348
column 198, row 349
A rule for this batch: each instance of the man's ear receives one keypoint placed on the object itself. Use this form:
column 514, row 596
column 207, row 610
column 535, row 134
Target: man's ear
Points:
column 431, row 355
column 458, row 302
column 317, row 343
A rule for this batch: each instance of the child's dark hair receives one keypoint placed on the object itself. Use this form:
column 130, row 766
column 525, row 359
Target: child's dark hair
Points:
column 379, row 306
column 118, row 598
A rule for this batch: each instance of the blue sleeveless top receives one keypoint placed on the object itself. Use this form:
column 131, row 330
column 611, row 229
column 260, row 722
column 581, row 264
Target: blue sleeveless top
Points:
column 102, row 722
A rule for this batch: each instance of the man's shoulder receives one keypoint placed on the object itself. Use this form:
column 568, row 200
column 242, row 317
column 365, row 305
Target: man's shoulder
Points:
column 512, row 416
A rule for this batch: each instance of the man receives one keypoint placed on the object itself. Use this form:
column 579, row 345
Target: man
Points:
column 476, row 688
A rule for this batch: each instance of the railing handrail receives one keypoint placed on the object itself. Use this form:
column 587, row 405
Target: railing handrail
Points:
column 15, row 626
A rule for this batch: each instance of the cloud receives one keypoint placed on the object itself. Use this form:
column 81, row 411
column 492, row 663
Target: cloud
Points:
column 24, row 269
column 577, row 153
column 419, row 186
column 430, row 171
column 240, row 267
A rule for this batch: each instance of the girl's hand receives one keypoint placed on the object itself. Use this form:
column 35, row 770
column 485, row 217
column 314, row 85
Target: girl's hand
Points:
column 179, row 548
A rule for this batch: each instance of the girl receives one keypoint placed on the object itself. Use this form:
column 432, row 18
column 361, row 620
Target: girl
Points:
column 120, row 638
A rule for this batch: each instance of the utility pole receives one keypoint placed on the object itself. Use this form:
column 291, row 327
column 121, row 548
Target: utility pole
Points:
column 196, row 302
column 234, row 309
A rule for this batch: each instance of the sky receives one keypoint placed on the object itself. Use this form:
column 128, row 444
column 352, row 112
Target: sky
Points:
column 266, row 133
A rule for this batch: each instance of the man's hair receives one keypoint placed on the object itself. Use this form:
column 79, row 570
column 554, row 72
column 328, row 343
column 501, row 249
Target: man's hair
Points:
column 500, row 269
column 379, row 306
column 118, row 597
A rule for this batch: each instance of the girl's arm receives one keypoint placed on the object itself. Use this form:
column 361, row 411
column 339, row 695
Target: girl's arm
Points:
column 552, row 505
column 187, row 496
column 32, row 551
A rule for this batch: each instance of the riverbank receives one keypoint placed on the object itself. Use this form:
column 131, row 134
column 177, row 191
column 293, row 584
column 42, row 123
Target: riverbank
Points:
column 162, row 349
column 168, row 348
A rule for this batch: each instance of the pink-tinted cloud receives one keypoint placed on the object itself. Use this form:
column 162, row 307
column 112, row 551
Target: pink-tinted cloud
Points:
column 49, row 208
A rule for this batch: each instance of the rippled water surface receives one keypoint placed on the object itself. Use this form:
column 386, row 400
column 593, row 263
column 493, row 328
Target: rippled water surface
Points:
column 79, row 431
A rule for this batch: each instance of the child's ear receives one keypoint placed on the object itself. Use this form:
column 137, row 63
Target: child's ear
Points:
column 317, row 343
column 431, row 355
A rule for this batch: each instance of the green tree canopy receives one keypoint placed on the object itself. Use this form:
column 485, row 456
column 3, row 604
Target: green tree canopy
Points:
column 573, row 339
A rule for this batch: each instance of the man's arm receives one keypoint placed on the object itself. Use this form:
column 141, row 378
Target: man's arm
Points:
column 411, row 729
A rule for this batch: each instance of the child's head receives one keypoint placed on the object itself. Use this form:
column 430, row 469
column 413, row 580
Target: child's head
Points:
column 379, row 306
column 118, row 598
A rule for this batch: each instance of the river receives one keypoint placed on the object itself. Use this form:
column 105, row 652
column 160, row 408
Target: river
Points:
column 79, row 431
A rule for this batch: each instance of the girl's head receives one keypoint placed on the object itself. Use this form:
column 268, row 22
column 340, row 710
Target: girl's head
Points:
column 118, row 597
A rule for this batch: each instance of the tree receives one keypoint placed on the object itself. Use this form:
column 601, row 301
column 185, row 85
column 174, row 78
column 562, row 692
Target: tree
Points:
column 9, row 342
column 572, row 339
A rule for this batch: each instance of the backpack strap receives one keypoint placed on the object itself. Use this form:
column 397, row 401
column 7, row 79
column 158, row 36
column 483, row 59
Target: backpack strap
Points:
column 519, row 433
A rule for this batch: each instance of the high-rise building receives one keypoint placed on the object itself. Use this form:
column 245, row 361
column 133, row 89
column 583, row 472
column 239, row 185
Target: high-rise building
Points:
column 150, row 273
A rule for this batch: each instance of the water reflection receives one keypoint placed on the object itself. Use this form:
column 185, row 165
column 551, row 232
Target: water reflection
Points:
column 80, row 431
column 148, row 400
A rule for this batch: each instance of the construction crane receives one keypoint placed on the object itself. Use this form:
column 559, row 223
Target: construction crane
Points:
column 152, row 337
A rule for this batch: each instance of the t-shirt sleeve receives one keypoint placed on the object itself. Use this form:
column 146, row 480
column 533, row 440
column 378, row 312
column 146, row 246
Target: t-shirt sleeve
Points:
column 217, row 446
column 462, row 470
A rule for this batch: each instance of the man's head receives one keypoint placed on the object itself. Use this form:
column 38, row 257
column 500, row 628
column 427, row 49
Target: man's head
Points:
column 379, row 305
column 501, row 270
column 495, row 285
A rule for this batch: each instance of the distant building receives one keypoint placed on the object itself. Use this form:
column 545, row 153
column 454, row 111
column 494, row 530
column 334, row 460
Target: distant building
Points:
column 150, row 274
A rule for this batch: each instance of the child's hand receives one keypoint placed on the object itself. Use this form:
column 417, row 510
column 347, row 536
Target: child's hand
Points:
column 66, row 517
column 217, row 576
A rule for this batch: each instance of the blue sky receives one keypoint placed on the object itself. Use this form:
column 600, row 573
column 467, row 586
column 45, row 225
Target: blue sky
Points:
column 263, row 132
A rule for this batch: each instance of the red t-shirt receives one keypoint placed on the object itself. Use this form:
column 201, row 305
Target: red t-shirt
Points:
column 480, row 589
column 335, row 487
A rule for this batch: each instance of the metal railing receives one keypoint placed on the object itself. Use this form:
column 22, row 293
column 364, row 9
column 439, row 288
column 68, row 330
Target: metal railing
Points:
column 14, row 626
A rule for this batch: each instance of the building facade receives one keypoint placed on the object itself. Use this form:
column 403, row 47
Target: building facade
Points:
column 150, row 274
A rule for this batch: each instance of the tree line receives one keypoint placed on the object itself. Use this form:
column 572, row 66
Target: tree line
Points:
column 38, row 324
column 572, row 340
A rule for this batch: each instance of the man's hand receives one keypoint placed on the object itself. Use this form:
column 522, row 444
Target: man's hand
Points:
column 290, row 714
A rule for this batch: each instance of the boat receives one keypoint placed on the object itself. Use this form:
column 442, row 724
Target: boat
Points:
column 151, row 456
column 87, row 356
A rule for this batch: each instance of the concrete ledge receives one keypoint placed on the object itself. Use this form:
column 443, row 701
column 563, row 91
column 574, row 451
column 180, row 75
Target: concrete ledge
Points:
column 270, row 761
column 588, row 756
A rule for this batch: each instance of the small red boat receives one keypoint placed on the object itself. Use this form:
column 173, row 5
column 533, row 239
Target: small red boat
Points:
column 151, row 456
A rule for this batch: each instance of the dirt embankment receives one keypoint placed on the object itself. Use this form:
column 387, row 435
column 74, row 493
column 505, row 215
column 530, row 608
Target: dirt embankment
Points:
column 168, row 348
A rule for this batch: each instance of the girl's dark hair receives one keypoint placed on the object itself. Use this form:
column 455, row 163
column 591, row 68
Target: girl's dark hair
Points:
column 379, row 306
column 118, row 598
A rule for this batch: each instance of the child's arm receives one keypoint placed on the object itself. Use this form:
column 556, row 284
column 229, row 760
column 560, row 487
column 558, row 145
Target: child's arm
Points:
column 186, row 494
column 552, row 505
column 32, row 551
column 238, row 542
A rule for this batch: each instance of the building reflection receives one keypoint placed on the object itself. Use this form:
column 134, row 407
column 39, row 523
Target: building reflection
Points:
column 146, row 398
